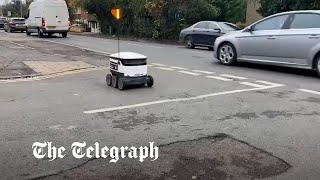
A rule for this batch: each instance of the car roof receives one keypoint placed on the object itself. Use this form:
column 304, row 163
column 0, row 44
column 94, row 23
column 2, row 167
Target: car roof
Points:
column 300, row 11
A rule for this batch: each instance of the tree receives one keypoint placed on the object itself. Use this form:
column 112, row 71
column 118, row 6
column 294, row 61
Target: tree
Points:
column 269, row 7
column 232, row 11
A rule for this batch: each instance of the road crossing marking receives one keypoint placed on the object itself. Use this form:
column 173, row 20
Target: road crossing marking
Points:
column 233, row 77
column 269, row 83
column 156, row 64
column 179, row 68
column 219, row 78
column 163, row 68
column 310, row 91
column 173, row 100
column 253, row 85
column 189, row 73
column 204, row 72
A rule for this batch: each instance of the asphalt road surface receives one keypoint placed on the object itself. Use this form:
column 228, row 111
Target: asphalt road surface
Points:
column 259, row 121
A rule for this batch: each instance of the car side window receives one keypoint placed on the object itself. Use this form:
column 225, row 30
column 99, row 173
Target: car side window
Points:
column 213, row 26
column 202, row 25
column 273, row 23
column 305, row 21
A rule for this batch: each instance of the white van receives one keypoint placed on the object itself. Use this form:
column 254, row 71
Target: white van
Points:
column 47, row 17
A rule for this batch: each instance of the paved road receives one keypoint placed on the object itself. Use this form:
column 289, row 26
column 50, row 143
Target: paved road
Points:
column 275, row 110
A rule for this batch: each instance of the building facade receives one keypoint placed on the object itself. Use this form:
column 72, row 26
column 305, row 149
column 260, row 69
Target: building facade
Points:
column 89, row 21
column 252, row 14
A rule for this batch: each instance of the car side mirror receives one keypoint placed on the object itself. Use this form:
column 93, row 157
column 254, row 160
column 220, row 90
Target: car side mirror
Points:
column 251, row 29
column 217, row 30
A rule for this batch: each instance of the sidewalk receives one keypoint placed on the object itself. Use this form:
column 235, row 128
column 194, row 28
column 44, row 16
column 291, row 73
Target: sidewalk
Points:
column 24, row 59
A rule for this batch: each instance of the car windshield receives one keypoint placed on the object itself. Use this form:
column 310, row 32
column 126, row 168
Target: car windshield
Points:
column 228, row 26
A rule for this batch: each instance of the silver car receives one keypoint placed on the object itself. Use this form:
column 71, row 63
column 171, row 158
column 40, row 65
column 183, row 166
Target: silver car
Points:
column 289, row 39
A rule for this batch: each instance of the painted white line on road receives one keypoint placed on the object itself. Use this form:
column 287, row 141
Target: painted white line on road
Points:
column 17, row 44
column 270, row 83
column 157, row 64
column 253, row 85
column 219, row 78
column 189, row 73
column 163, row 68
column 88, row 49
column 149, row 65
column 310, row 91
column 233, row 77
column 204, row 72
column 173, row 100
column 179, row 68
column 144, row 45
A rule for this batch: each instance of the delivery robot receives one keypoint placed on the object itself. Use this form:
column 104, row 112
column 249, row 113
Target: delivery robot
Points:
column 128, row 68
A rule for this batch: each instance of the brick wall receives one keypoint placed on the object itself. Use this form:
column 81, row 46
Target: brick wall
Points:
column 252, row 14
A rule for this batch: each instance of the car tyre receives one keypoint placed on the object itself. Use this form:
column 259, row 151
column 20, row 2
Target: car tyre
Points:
column 317, row 66
column 189, row 42
column 227, row 54
column 109, row 79
column 64, row 35
column 121, row 84
column 40, row 34
column 151, row 81
column 28, row 33
column 114, row 82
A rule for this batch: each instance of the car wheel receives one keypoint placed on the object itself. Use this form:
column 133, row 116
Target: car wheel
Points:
column 40, row 34
column 114, row 82
column 318, row 66
column 189, row 42
column 121, row 84
column 64, row 35
column 151, row 81
column 109, row 79
column 28, row 33
column 227, row 54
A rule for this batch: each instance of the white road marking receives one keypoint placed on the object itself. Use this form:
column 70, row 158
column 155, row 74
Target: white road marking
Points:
column 310, row 91
column 144, row 45
column 172, row 100
column 253, row 85
column 163, row 68
column 204, row 72
column 88, row 49
column 17, row 44
column 219, row 78
column 180, row 68
column 233, row 77
column 270, row 83
column 157, row 64
column 189, row 73
column 149, row 65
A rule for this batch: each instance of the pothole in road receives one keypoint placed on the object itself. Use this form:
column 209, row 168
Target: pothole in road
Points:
column 219, row 157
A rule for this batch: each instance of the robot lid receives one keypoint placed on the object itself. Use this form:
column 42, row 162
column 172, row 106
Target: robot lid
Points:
column 127, row 56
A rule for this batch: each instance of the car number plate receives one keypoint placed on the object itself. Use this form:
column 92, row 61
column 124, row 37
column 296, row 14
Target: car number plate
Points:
column 51, row 27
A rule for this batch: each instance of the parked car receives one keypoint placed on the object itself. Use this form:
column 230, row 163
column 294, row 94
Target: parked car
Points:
column 289, row 39
column 204, row 33
column 15, row 24
column 2, row 22
column 48, row 17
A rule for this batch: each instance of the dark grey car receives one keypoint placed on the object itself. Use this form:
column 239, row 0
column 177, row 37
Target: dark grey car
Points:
column 204, row 33
column 2, row 22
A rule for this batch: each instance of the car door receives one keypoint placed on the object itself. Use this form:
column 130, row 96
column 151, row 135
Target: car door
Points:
column 199, row 32
column 213, row 33
column 299, row 37
column 261, row 43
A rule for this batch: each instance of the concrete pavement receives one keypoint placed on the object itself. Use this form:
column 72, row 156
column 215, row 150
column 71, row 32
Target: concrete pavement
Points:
column 259, row 108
